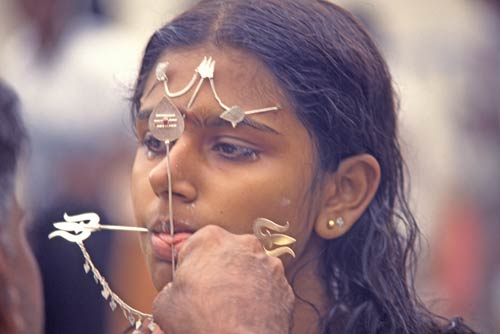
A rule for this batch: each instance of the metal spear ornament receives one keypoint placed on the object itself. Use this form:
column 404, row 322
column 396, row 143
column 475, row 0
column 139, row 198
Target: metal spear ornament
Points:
column 78, row 228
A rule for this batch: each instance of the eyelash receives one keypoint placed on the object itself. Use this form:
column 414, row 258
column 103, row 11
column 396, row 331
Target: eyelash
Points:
column 235, row 152
column 225, row 150
column 154, row 146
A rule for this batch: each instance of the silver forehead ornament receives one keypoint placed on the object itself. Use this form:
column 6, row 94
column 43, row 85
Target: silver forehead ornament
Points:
column 206, row 70
column 166, row 122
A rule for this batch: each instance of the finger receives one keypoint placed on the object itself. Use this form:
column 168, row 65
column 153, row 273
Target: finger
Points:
column 164, row 295
column 162, row 304
column 158, row 331
column 250, row 243
column 206, row 237
column 277, row 267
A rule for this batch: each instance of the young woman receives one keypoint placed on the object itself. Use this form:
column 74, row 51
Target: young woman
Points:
column 324, row 157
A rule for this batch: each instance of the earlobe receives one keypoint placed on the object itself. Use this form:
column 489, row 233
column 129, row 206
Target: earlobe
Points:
column 347, row 193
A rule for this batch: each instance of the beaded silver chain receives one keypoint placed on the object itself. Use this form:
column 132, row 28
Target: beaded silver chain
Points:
column 134, row 316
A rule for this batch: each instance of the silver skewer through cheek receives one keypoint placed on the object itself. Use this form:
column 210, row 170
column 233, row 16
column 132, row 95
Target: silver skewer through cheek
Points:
column 79, row 227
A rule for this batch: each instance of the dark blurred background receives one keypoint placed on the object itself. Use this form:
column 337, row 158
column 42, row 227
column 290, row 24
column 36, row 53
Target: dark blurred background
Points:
column 73, row 64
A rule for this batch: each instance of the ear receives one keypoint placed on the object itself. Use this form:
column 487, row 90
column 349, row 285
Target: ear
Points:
column 346, row 195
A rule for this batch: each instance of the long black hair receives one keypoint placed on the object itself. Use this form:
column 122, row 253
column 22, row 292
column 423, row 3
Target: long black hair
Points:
column 12, row 140
column 332, row 73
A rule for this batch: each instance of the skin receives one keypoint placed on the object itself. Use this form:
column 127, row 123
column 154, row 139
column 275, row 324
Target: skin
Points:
column 228, row 177
column 201, row 168
column 25, row 288
column 248, row 277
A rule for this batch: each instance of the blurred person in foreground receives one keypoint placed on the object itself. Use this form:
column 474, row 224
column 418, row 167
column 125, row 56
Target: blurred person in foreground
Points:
column 20, row 284
column 50, row 60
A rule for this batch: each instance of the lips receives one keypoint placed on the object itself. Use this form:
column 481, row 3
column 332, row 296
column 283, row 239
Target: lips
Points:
column 166, row 247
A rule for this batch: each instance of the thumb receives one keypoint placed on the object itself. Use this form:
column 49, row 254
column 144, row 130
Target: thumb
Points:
column 161, row 306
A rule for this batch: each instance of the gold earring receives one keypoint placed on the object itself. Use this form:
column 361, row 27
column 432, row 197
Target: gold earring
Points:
column 337, row 222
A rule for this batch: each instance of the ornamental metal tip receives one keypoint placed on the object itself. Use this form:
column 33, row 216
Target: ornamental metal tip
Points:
column 262, row 230
column 166, row 122
column 83, row 225
column 233, row 115
column 161, row 71
column 206, row 68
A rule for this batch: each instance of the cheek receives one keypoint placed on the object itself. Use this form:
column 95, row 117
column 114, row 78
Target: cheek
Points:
column 266, row 195
column 288, row 192
column 293, row 202
column 141, row 190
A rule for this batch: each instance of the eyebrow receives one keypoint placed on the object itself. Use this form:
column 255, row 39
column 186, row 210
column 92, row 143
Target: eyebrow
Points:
column 216, row 121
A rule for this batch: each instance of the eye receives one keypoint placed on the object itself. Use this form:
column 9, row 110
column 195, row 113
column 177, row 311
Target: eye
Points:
column 235, row 152
column 154, row 146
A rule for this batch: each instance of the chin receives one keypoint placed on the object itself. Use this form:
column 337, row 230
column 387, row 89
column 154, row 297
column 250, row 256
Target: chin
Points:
column 161, row 274
column 160, row 271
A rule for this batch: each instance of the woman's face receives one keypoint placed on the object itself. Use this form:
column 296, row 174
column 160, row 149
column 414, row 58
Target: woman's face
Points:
column 222, row 175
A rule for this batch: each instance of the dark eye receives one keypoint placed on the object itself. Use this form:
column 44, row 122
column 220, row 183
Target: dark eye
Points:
column 154, row 146
column 235, row 152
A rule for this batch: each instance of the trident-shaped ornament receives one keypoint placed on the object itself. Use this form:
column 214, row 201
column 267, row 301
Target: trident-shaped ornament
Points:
column 83, row 225
column 78, row 228
column 262, row 228
column 205, row 70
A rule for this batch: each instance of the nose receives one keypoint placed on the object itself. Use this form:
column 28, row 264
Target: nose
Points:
column 183, row 187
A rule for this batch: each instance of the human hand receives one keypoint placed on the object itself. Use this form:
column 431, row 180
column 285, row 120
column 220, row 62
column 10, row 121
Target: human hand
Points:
column 225, row 283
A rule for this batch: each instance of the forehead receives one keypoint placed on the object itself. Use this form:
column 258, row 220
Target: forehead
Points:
column 240, row 79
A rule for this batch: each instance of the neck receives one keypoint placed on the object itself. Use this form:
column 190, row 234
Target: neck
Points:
column 312, row 299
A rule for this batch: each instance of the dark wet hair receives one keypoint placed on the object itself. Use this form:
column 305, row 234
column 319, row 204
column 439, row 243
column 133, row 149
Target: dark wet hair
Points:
column 12, row 137
column 332, row 73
